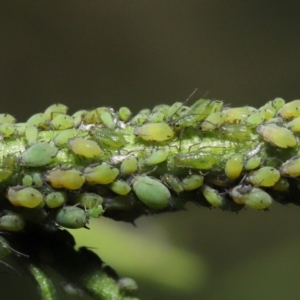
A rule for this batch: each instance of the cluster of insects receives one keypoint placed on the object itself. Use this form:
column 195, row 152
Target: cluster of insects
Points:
column 63, row 169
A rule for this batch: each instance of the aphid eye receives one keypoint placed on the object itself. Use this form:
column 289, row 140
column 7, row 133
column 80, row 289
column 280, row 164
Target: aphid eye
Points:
column 151, row 192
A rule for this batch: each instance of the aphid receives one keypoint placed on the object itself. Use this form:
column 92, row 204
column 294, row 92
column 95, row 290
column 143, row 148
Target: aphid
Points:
column 291, row 167
column 237, row 132
column 20, row 128
column 163, row 108
column 265, row 176
column 294, row 125
column 84, row 147
column 151, row 192
column 71, row 217
column 203, row 107
column 173, row 110
column 238, row 114
column 56, row 199
column 156, row 157
column 38, row 120
column 38, row 155
column 127, row 284
column 7, row 118
column 7, row 130
column 129, row 165
column 140, row 118
column 196, row 160
column 24, row 196
column 100, row 174
column 124, row 114
column 192, row 182
column 254, row 119
column 156, row 117
column 253, row 163
column 290, row 110
column 154, row 132
column 282, row 185
column 234, row 166
column 27, row 180
column 31, row 134
column 212, row 196
column 277, row 136
column 252, row 197
column 62, row 138
column 120, row 187
column 92, row 203
column 173, row 182
column 267, row 111
column 108, row 138
column 276, row 120
column 108, row 119
column 277, row 103
column 62, row 122
column 37, row 179
column 77, row 117
column 54, row 110
column 11, row 221
column 71, row 179
column 212, row 121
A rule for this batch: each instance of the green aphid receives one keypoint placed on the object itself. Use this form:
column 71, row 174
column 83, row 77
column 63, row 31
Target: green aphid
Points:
column 277, row 103
column 253, row 163
column 234, row 166
column 290, row 110
column 20, row 128
column 84, row 147
column 71, row 179
column 276, row 120
column 62, row 122
column 294, row 125
column 163, row 108
column 257, row 199
column 7, row 130
column 92, row 203
column 7, row 118
column 282, row 185
column 291, row 167
column 100, row 174
column 39, row 120
column 120, row 187
column 154, row 132
column 108, row 119
column 265, row 176
column 174, row 110
column 195, row 160
column 27, row 180
column 56, row 199
column 237, row 114
column 31, row 134
column 38, row 155
column 125, row 114
column 139, row 119
column 151, row 192
column 173, row 182
column 184, row 121
column 54, row 110
column 11, row 221
column 5, row 174
column 129, row 165
column 127, row 285
column 267, row 111
column 212, row 196
column 77, row 117
column 238, row 193
column 71, row 217
column 213, row 121
column 62, row 138
column 237, row 132
column 203, row 107
column 156, row 117
column 37, row 179
column 255, row 119
column 108, row 138
column 277, row 136
column 24, row 196
column 192, row 182
column 156, row 157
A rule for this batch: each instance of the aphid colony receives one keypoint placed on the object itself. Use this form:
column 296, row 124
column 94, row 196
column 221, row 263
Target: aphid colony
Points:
column 65, row 169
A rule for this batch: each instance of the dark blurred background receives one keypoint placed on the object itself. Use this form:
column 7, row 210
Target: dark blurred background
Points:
column 142, row 53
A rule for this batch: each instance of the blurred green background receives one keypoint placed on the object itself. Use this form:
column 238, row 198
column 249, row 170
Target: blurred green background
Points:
column 142, row 53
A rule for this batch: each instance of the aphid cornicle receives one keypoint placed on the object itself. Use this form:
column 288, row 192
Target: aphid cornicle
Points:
column 277, row 136
column 24, row 196
column 151, row 192
column 84, row 147
column 154, row 132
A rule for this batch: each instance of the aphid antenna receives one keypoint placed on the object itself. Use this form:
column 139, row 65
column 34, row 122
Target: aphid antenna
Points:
column 9, row 266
